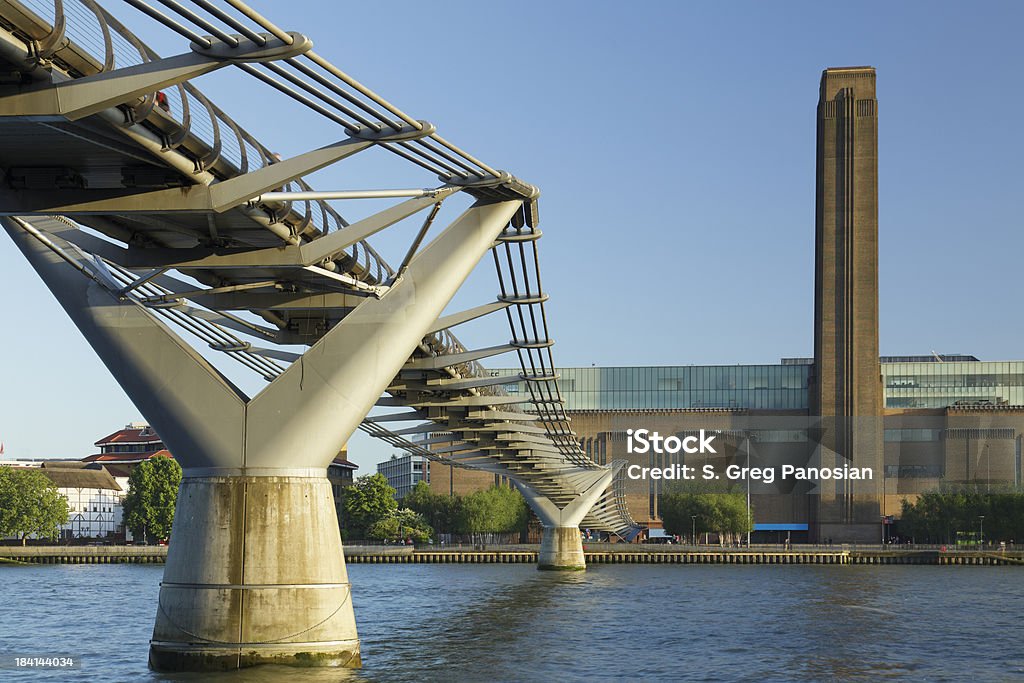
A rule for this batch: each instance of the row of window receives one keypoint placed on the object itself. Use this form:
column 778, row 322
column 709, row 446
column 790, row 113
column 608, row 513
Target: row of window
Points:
column 678, row 378
column 762, row 399
column 947, row 401
column 780, row 387
column 1007, row 379
column 132, row 448
column 914, row 472
column 912, row 434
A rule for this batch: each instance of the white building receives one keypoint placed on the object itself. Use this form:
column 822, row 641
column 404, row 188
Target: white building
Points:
column 94, row 497
column 403, row 472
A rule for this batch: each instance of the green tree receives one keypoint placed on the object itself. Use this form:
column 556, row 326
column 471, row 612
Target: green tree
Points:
column 705, row 509
column 30, row 504
column 404, row 523
column 732, row 515
column 422, row 499
column 499, row 509
column 683, row 514
column 937, row 516
column 152, row 494
column 383, row 529
column 368, row 501
column 412, row 524
column 441, row 512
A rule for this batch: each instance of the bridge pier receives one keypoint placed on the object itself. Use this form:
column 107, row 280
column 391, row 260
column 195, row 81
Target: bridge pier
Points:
column 561, row 548
column 255, row 574
column 255, row 571
column 561, row 545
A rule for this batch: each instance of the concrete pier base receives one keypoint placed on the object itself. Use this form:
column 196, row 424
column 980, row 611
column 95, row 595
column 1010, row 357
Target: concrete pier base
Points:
column 561, row 548
column 561, row 545
column 255, row 574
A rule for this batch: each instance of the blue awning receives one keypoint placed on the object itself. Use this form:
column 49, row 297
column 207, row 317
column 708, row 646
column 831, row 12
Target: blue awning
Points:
column 780, row 527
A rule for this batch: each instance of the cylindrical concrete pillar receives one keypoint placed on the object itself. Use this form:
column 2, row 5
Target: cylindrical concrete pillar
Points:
column 561, row 548
column 255, row 574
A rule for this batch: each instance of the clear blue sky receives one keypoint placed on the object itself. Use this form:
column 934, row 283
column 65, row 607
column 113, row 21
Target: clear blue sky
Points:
column 674, row 144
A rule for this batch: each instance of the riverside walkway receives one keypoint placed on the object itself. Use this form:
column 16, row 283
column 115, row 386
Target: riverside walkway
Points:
column 598, row 553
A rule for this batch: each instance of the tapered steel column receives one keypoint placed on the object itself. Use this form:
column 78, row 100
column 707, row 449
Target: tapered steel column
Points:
column 255, row 571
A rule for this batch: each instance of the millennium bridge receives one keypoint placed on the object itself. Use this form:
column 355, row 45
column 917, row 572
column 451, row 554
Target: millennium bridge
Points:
column 178, row 243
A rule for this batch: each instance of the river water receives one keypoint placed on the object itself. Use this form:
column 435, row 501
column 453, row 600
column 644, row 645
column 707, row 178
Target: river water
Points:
column 614, row 622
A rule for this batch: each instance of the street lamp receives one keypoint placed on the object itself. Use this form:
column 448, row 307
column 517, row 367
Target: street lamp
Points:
column 988, row 466
column 693, row 530
column 981, row 525
column 749, row 520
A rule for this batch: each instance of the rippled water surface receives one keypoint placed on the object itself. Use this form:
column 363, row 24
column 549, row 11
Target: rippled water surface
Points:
column 613, row 622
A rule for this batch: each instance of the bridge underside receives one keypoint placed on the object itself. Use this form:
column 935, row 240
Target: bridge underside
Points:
column 171, row 236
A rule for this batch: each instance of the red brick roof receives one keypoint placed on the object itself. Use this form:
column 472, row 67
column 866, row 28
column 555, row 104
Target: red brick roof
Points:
column 126, row 458
column 130, row 435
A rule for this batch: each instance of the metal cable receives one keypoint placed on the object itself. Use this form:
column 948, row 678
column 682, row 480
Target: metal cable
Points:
column 326, row 82
column 231, row 21
column 261, row 20
column 171, row 23
column 292, row 78
column 199, row 21
column 465, row 155
column 353, row 83
column 443, row 154
column 298, row 97
column 419, row 152
column 206, row 330
column 408, row 157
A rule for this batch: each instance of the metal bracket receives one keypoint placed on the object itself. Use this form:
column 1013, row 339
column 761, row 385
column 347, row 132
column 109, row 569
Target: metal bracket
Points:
column 389, row 134
column 44, row 49
column 523, row 300
column 250, row 51
column 520, row 237
column 217, row 197
column 477, row 181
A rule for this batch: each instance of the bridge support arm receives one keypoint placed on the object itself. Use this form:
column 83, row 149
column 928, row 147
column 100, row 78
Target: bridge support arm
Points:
column 219, row 196
column 255, row 569
column 561, row 546
column 197, row 412
column 339, row 379
column 80, row 97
